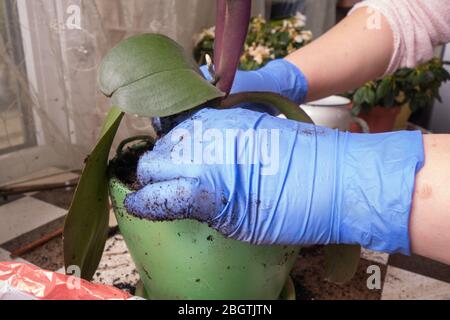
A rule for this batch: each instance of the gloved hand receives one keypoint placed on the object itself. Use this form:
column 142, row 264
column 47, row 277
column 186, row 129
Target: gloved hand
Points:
column 278, row 76
column 265, row 180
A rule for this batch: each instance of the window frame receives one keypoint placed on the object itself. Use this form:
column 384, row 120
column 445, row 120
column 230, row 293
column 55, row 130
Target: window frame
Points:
column 44, row 86
column 14, row 37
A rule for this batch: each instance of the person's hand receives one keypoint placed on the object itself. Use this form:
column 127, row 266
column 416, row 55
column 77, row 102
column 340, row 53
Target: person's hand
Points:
column 265, row 180
column 278, row 76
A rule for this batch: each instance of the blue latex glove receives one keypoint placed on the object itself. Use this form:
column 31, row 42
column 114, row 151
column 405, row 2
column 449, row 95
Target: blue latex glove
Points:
column 278, row 76
column 305, row 185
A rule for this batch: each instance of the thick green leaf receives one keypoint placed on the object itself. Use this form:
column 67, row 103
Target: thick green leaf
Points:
column 86, row 225
column 151, row 75
column 165, row 94
column 290, row 109
column 341, row 262
column 138, row 57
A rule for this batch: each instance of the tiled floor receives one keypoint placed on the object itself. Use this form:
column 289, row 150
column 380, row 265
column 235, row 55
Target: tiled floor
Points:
column 27, row 218
column 24, row 215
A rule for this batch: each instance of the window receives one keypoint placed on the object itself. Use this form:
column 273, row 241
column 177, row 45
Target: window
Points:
column 16, row 125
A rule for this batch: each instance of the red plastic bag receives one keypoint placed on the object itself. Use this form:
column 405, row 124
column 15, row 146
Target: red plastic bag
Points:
column 35, row 283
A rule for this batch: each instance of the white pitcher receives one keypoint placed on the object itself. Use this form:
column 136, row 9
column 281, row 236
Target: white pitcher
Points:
column 334, row 112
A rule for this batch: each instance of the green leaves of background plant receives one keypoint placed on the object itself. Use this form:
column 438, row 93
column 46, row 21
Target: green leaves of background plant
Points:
column 419, row 87
column 86, row 225
column 151, row 75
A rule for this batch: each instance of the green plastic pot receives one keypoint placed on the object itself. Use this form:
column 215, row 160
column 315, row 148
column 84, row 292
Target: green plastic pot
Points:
column 187, row 259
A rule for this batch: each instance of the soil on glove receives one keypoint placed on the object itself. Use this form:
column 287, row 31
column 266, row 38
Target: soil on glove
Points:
column 125, row 166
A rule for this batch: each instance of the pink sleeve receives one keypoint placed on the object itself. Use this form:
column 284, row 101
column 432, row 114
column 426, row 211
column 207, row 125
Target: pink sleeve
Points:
column 418, row 27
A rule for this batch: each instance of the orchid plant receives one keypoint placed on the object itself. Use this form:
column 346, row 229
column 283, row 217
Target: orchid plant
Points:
column 152, row 76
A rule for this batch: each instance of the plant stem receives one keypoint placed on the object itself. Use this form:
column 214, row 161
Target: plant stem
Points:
column 220, row 26
column 233, row 17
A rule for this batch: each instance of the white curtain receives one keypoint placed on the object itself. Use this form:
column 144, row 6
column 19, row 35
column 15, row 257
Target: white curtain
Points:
column 55, row 111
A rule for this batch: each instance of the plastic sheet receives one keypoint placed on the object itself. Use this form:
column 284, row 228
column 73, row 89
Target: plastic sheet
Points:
column 20, row 281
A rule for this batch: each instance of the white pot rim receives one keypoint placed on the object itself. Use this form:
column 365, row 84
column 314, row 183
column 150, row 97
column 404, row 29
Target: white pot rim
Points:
column 332, row 101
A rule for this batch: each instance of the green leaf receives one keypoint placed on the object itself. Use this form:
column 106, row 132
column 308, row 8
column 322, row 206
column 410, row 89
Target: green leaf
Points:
column 341, row 262
column 389, row 99
column 86, row 225
column 370, row 96
column 151, row 75
column 383, row 88
column 404, row 72
column 358, row 97
column 290, row 109
column 426, row 79
column 165, row 94
column 356, row 110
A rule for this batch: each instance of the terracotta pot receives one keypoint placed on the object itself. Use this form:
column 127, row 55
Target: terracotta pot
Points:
column 381, row 119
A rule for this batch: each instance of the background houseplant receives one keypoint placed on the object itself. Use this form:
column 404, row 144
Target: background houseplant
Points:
column 129, row 75
column 380, row 102
column 266, row 40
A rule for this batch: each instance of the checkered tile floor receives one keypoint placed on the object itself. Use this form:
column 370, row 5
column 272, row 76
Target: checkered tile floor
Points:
column 26, row 218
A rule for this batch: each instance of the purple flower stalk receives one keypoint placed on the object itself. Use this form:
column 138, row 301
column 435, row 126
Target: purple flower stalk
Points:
column 233, row 17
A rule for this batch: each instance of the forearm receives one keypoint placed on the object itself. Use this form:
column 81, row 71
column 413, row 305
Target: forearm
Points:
column 430, row 215
column 347, row 56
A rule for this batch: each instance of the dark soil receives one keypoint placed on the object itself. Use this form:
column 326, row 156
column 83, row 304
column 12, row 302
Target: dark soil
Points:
column 124, row 167
column 126, row 287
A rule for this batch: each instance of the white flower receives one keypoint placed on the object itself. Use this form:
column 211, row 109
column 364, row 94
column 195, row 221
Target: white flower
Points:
column 286, row 24
column 210, row 32
column 259, row 20
column 307, row 35
column 299, row 39
column 259, row 53
column 299, row 20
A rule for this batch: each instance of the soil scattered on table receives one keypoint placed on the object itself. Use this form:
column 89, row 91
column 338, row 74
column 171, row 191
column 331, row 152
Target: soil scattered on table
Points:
column 308, row 275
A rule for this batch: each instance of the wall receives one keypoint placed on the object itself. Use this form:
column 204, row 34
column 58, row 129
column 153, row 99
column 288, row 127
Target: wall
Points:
column 440, row 120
